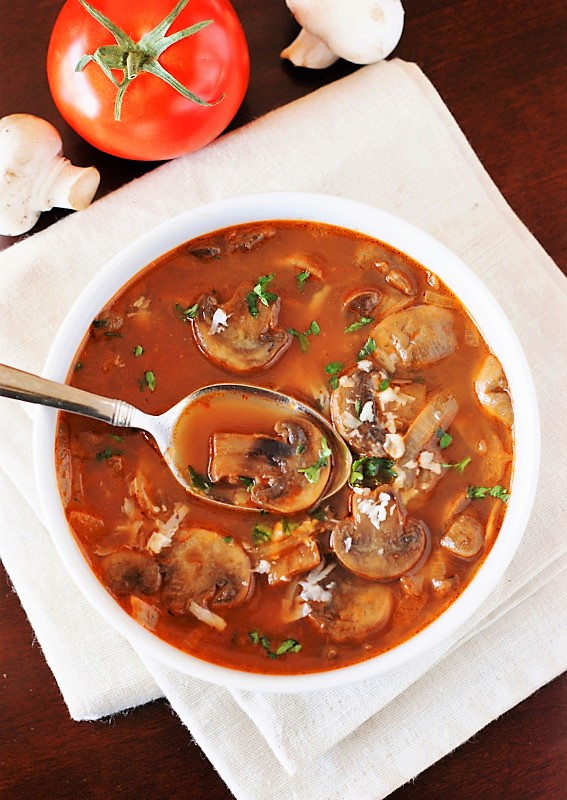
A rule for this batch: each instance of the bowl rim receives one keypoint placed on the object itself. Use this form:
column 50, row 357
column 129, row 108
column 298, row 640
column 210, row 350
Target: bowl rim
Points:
column 357, row 216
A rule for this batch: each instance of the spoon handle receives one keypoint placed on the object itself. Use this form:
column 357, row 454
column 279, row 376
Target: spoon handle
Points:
column 21, row 385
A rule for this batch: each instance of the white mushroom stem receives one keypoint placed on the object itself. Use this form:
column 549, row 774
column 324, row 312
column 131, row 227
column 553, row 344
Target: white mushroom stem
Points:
column 362, row 32
column 35, row 176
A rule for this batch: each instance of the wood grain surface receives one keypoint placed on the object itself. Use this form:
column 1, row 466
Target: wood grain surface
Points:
column 499, row 65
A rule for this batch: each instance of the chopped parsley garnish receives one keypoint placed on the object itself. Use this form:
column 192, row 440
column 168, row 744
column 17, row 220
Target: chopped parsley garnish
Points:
column 445, row 439
column 100, row 323
column 367, row 349
column 199, row 481
column 384, row 383
column 360, row 323
column 332, row 369
column 318, row 514
column 479, row 492
column 312, row 330
column 187, row 313
column 371, row 468
column 259, row 293
column 300, row 449
column 301, row 277
column 288, row 526
column 246, row 481
column 138, row 351
column 287, row 646
column 357, row 406
column 228, row 539
column 260, row 535
column 460, row 465
column 107, row 453
column 313, row 473
column 150, row 380
column 79, row 365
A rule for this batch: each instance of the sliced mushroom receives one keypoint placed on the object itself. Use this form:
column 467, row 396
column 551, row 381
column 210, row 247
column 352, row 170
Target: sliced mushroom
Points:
column 229, row 335
column 414, row 338
column 353, row 611
column 290, row 470
column 420, row 467
column 362, row 302
column 128, row 571
column 492, row 390
column 464, row 537
column 402, row 281
column 203, row 567
column 244, row 240
column 358, row 390
column 379, row 542
column 369, row 412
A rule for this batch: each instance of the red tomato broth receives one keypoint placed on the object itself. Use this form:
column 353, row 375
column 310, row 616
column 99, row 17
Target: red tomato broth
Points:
column 94, row 489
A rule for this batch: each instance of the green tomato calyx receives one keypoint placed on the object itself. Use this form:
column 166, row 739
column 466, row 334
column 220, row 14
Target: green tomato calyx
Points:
column 134, row 58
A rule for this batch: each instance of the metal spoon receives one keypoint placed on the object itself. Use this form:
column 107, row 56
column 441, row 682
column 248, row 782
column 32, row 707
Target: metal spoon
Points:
column 19, row 385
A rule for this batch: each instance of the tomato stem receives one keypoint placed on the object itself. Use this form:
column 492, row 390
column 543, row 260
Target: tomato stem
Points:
column 133, row 58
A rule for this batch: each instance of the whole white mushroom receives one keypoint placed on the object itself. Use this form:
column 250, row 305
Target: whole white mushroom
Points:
column 35, row 176
column 360, row 31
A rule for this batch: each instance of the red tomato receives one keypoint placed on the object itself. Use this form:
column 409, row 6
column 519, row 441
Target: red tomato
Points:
column 156, row 121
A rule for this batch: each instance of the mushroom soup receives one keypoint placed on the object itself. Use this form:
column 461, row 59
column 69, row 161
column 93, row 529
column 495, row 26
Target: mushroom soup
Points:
column 366, row 336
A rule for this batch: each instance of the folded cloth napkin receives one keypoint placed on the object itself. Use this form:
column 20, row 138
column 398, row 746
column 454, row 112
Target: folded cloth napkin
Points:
column 382, row 136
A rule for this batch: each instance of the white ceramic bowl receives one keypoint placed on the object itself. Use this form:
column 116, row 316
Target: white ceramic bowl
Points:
column 348, row 214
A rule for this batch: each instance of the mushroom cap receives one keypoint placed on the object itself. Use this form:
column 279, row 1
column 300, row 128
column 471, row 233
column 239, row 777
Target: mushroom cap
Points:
column 414, row 338
column 378, row 542
column 464, row 537
column 129, row 571
column 492, row 390
column 361, row 32
column 242, row 343
column 354, row 610
column 203, row 567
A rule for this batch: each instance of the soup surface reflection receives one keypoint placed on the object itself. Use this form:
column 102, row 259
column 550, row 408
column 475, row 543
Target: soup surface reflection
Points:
column 366, row 336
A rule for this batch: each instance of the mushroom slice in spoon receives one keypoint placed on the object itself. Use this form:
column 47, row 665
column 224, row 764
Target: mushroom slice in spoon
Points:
column 289, row 470
column 129, row 571
column 492, row 390
column 236, row 339
column 378, row 541
column 354, row 609
column 414, row 338
column 205, row 568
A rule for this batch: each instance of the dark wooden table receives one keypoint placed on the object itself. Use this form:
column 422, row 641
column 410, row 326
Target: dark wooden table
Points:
column 498, row 66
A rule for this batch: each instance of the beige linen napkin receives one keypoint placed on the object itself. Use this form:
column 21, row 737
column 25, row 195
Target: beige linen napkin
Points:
column 382, row 136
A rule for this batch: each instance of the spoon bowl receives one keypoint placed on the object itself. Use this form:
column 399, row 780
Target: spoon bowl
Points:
column 20, row 385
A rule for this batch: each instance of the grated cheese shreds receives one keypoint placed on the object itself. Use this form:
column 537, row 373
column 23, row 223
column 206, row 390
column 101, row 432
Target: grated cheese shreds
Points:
column 426, row 461
column 376, row 512
column 207, row 616
column 165, row 532
column 219, row 321
column 367, row 413
column 394, row 445
column 311, row 584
